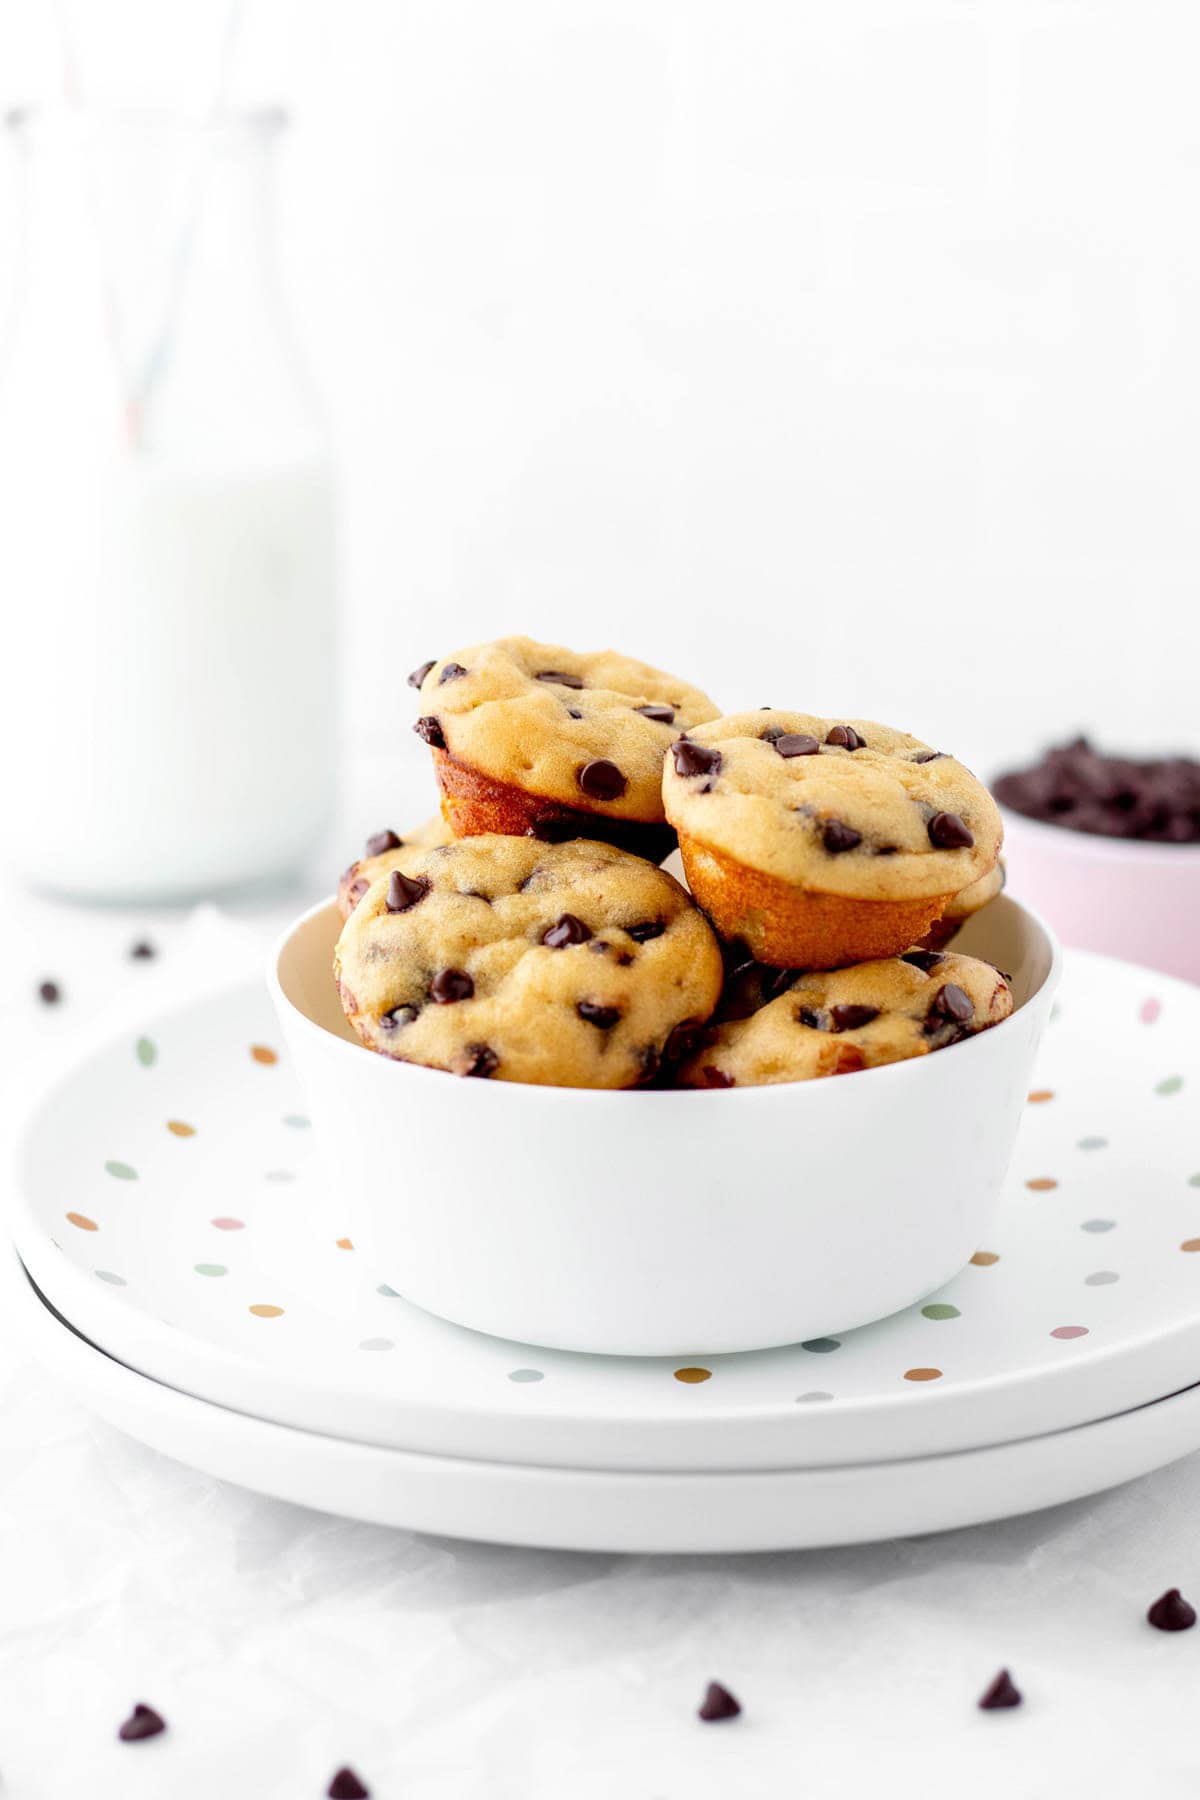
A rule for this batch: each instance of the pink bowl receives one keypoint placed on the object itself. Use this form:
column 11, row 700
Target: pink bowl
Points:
column 1117, row 895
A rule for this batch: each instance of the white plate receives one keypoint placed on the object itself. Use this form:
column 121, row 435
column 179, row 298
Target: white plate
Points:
column 1086, row 1301
column 584, row 1509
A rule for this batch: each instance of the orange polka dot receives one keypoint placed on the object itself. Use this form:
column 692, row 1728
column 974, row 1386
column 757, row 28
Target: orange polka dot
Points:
column 177, row 1128
column 1187, row 1244
column 1038, row 1095
column 693, row 1375
column 983, row 1259
column 266, row 1312
column 83, row 1222
column 262, row 1053
column 345, row 1244
column 1041, row 1184
column 922, row 1374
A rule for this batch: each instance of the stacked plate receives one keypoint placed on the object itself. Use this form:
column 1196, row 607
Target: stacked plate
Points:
column 179, row 1263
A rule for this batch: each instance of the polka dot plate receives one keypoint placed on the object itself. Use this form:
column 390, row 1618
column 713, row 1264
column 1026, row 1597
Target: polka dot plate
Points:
column 170, row 1206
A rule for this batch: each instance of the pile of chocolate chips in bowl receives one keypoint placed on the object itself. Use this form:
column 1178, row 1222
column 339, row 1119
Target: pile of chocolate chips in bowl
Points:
column 1154, row 799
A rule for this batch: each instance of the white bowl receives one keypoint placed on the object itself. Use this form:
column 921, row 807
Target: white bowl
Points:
column 668, row 1223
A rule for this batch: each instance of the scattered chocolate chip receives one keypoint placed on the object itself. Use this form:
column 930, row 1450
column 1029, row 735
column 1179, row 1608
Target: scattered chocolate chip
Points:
column 683, row 1039
column 449, row 985
column 924, row 756
column 951, row 1002
column 1171, row 1612
column 695, row 759
column 927, row 960
column 50, row 993
column 838, row 836
column 647, row 929
column 143, row 1722
column 661, row 715
column 948, row 832
column 573, row 713
column 399, row 1015
column 602, row 779
column 143, row 951
column 796, row 743
column 1002, row 1692
column 718, row 1703
column 716, row 1078
column 808, row 1015
column 346, row 1786
column 560, row 680
column 602, row 1017
column 624, row 958
column 568, row 930
column 851, row 1018
column 451, row 672
column 418, row 675
column 404, row 891
column 845, row 737
column 431, row 731
column 482, row 1060
column 383, row 840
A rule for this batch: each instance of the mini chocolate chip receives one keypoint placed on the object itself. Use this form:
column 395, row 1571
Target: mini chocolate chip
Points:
column 143, row 1722
column 451, row 672
column 838, row 836
column 796, row 743
column 482, row 1060
column 682, row 1039
column 649, row 928
column 449, row 985
column 851, row 1018
column 773, row 733
column 431, row 731
column 808, row 1015
column 661, row 715
column 569, row 930
column 927, row 960
column 561, row 680
column 718, row 1703
column 383, row 840
column 602, row 1017
column 399, row 1015
column 1002, row 1692
column 695, row 759
column 602, row 779
column 474, row 894
column 716, row 1078
column 948, row 832
column 624, row 958
column 950, row 1002
column 924, row 756
column 403, row 892
column 572, row 713
column 50, row 993
column 1171, row 1612
column 346, row 1786
column 142, row 951
column 845, row 737
column 418, row 675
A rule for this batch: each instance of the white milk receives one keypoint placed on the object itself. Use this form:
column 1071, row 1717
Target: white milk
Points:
column 167, row 725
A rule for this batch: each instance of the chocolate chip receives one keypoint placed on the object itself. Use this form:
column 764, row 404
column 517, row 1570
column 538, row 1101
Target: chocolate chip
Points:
column 649, row 928
column 716, row 1078
column 623, row 958
column 1171, row 1612
column 602, row 1017
column 808, row 1015
column 482, row 1060
column 399, row 1015
column 142, row 951
column 924, row 756
column 682, row 1039
column 475, row 894
column 143, row 1722
column 661, row 715
column 573, row 714
column 602, row 779
column 560, row 680
column 568, row 930
column 383, row 840
column 796, row 743
column 778, row 981
column 950, row 1002
column 695, row 759
column 845, row 737
column 449, row 985
column 552, row 830
column 948, row 832
column 838, row 836
column 926, row 960
column 403, row 892
column 851, row 1018
column 718, row 1703
column 50, row 993
column 451, row 672
column 431, row 731
column 1002, row 1692
column 346, row 1786
column 418, row 675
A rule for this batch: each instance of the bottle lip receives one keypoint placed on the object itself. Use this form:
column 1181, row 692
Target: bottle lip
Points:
column 226, row 121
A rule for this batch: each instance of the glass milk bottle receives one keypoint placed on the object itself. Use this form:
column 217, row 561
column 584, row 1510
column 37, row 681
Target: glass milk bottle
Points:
column 166, row 521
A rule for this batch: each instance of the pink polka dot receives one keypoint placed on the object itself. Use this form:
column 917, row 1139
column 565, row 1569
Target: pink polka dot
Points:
column 229, row 1224
column 1150, row 1011
column 1069, row 1331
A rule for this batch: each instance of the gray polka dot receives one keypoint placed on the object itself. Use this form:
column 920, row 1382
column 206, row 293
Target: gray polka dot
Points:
column 805, row 1399
column 297, row 1121
column 821, row 1346
column 1102, row 1278
column 1097, row 1225
column 526, row 1375
column 1093, row 1143
column 113, row 1280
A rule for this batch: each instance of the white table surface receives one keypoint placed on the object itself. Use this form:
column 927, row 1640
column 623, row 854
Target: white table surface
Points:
column 279, row 1643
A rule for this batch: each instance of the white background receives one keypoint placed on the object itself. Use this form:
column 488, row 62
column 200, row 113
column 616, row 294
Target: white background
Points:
column 841, row 356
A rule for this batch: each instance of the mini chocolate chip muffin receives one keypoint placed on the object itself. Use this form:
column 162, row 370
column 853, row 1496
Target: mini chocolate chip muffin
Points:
column 821, row 842
column 964, row 906
column 532, row 740
column 386, row 851
column 834, row 1022
column 567, row 965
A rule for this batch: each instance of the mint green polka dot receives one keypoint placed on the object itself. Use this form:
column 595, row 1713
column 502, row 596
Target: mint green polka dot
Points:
column 122, row 1171
column 210, row 1268
column 939, row 1309
column 1170, row 1085
column 113, row 1280
column 146, row 1051
column 1194, row 1180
